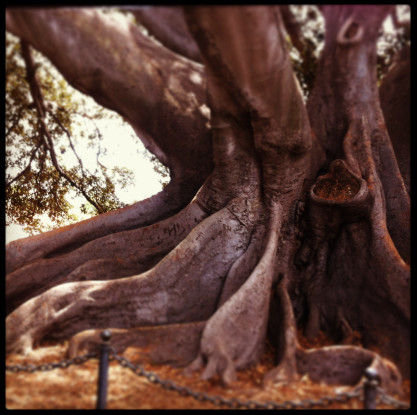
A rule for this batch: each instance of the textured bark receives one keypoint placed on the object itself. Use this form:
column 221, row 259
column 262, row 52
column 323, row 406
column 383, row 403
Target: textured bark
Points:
column 168, row 25
column 112, row 256
column 395, row 103
column 374, row 229
column 302, row 222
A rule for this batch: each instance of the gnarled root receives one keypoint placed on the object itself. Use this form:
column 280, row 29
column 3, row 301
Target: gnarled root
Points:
column 58, row 241
column 234, row 336
column 179, row 288
column 283, row 332
column 112, row 256
column 346, row 365
column 334, row 365
column 174, row 344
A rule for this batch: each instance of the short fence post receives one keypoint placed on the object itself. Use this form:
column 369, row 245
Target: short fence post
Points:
column 370, row 389
column 103, row 370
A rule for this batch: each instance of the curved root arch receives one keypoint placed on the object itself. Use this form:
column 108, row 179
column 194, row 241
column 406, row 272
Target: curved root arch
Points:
column 109, row 257
column 181, row 287
column 59, row 241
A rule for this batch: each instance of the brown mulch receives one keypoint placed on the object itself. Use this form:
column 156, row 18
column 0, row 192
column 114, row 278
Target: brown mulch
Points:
column 75, row 387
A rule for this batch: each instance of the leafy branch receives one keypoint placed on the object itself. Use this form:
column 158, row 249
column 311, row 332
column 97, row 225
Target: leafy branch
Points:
column 45, row 135
column 40, row 114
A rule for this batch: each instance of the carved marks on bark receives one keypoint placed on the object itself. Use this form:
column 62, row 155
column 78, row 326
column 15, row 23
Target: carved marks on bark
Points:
column 110, row 257
column 174, row 230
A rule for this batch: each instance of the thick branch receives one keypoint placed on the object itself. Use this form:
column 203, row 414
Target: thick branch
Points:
column 131, row 74
column 167, row 24
column 160, row 94
column 292, row 28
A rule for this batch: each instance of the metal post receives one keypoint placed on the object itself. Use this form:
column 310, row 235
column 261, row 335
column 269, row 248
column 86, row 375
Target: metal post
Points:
column 370, row 389
column 103, row 370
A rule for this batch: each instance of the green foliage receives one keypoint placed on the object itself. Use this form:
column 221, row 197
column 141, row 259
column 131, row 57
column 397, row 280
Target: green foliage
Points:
column 34, row 184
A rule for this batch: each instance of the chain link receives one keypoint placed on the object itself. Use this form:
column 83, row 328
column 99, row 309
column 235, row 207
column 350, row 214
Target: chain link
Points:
column 44, row 367
column 384, row 398
column 202, row 396
column 236, row 403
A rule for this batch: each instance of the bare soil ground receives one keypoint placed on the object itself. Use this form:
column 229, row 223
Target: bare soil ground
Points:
column 75, row 387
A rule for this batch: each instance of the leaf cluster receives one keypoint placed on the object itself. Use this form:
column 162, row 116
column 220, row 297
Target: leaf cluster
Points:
column 36, row 184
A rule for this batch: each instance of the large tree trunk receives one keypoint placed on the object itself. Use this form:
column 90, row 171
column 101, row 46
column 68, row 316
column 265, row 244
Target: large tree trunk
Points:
column 270, row 241
column 371, row 227
column 159, row 93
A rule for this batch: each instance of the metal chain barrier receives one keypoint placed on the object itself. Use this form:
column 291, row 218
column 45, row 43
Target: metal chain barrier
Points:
column 384, row 398
column 369, row 393
column 237, row 403
column 44, row 367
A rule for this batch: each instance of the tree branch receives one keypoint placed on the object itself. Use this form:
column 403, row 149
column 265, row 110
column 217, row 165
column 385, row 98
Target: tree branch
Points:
column 44, row 132
column 64, row 175
column 159, row 93
column 16, row 121
column 292, row 28
column 167, row 24
column 27, row 168
column 68, row 134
